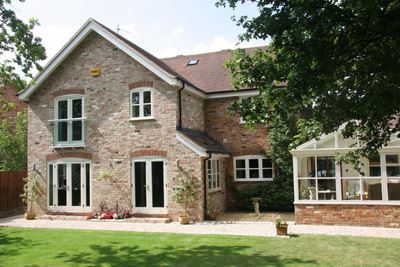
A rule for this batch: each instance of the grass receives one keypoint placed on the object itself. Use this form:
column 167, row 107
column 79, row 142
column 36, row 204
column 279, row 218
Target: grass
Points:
column 48, row 247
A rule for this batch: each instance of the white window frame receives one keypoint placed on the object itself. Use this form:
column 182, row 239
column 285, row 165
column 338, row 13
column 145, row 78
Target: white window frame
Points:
column 141, row 90
column 247, row 169
column 69, row 120
column 214, row 175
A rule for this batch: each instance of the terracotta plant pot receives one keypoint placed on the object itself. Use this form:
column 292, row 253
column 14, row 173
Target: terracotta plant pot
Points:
column 183, row 219
column 281, row 229
column 30, row 215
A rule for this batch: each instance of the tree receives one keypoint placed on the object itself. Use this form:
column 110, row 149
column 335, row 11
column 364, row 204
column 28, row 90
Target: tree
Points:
column 339, row 62
column 20, row 50
column 13, row 143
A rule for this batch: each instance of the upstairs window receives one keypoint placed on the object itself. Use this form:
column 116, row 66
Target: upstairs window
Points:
column 141, row 104
column 69, row 121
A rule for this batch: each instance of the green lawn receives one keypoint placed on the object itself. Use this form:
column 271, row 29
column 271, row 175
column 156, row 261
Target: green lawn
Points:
column 39, row 247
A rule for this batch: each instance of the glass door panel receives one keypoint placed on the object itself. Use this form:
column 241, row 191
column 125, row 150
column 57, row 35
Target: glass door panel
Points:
column 140, row 184
column 76, row 184
column 87, row 184
column 157, row 170
column 62, row 184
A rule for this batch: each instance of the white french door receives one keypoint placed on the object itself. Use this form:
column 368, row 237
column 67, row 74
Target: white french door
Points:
column 149, row 186
column 69, row 187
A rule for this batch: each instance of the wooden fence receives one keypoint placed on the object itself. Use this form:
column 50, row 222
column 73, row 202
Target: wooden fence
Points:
column 11, row 187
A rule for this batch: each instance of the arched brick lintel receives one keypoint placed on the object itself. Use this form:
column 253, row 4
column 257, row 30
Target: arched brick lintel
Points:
column 69, row 154
column 70, row 91
column 148, row 152
column 249, row 152
column 143, row 83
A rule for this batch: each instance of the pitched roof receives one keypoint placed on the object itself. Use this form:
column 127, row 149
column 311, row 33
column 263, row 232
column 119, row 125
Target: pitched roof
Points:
column 203, row 142
column 143, row 57
column 209, row 74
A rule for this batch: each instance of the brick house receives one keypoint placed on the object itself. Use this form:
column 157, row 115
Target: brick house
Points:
column 111, row 123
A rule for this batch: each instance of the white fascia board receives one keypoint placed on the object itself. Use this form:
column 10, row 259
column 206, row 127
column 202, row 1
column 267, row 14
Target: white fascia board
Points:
column 194, row 91
column 89, row 26
column 234, row 94
column 191, row 145
column 320, row 152
column 217, row 156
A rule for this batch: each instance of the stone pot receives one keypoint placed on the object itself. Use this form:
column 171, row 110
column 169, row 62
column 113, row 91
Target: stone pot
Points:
column 30, row 215
column 183, row 219
column 281, row 229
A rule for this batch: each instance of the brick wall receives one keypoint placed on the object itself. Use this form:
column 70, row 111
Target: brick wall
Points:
column 235, row 137
column 192, row 111
column 363, row 215
column 110, row 136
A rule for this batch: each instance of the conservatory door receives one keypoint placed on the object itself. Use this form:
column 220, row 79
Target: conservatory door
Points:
column 69, row 187
column 149, row 186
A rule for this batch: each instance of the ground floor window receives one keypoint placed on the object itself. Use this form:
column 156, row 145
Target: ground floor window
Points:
column 253, row 168
column 322, row 179
column 213, row 171
column 69, row 187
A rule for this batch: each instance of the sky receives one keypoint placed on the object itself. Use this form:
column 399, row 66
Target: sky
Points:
column 164, row 28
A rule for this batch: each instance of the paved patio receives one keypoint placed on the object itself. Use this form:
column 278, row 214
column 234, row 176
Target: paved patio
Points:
column 250, row 217
column 212, row 228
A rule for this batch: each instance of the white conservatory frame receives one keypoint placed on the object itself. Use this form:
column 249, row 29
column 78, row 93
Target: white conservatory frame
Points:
column 330, row 145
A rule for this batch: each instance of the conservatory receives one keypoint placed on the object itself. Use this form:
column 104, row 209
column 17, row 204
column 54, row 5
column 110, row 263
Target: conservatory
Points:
column 336, row 193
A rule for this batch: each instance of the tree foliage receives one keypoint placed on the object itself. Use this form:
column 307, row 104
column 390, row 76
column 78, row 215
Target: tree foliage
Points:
column 20, row 50
column 339, row 61
column 13, row 143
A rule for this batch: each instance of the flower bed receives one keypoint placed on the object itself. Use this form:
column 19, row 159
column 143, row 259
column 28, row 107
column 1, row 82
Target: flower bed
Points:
column 109, row 215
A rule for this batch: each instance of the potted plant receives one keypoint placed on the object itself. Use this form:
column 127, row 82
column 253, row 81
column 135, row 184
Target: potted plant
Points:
column 31, row 193
column 281, row 226
column 185, row 195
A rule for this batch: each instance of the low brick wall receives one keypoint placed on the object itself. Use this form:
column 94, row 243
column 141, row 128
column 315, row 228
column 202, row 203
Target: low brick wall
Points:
column 361, row 215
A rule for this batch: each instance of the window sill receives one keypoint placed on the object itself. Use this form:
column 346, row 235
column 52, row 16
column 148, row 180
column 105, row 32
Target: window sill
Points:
column 68, row 146
column 215, row 190
column 142, row 119
column 253, row 180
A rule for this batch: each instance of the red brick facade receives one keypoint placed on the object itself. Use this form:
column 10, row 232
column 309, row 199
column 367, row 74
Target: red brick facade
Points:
column 68, row 154
column 235, row 137
column 148, row 152
column 363, row 215
column 143, row 83
column 10, row 94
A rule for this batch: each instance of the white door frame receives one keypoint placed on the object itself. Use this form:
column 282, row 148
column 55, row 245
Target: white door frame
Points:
column 68, row 207
column 149, row 197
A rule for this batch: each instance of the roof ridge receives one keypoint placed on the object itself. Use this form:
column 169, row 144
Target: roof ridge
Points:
column 213, row 52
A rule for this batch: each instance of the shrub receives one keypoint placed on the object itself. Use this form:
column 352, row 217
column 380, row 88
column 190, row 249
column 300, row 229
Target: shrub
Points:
column 186, row 193
column 276, row 195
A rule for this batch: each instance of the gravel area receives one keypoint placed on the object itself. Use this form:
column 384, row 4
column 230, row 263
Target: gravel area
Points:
column 213, row 228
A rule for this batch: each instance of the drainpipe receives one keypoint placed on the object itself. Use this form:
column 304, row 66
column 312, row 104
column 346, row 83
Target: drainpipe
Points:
column 180, row 105
column 205, row 183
